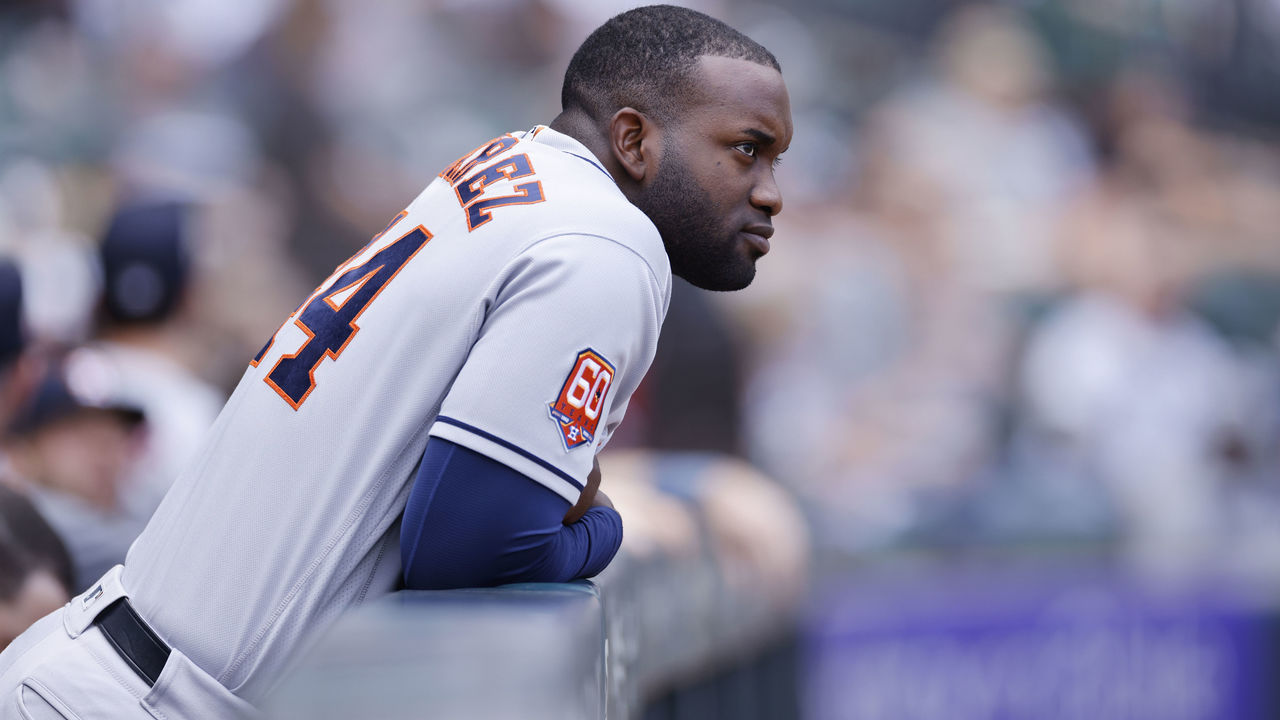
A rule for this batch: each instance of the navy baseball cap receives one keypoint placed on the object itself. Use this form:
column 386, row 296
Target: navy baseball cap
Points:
column 61, row 392
column 12, row 335
column 145, row 261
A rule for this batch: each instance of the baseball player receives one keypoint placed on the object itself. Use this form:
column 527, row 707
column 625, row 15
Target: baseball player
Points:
column 432, row 411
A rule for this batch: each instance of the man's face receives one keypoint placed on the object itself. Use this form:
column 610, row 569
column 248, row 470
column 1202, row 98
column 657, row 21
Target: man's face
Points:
column 713, row 195
column 86, row 455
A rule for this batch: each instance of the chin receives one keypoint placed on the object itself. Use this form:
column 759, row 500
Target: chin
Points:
column 711, row 260
column 721, row 278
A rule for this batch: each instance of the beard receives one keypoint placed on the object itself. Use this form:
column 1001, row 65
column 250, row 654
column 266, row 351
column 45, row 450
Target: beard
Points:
column 700, row 249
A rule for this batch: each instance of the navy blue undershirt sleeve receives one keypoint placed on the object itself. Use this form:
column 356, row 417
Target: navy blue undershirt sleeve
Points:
column 473, row 522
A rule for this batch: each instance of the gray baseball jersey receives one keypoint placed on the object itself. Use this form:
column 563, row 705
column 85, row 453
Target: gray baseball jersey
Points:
column 512, row 308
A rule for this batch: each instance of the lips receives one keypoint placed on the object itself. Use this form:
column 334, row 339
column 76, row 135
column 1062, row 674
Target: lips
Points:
column 758, row 236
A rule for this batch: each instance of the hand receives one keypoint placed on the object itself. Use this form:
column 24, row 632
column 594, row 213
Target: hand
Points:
column 587, row 499
column 602, row 500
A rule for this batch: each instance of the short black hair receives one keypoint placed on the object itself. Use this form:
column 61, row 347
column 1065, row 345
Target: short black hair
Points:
column 642, row 58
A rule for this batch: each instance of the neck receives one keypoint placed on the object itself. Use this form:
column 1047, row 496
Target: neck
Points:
column 580, row 126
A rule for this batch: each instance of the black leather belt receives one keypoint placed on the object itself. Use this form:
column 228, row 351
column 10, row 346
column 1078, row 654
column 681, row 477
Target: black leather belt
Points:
column 138, row 644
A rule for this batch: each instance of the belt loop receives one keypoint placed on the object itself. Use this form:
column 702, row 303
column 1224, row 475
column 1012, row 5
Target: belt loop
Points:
column 85, row 607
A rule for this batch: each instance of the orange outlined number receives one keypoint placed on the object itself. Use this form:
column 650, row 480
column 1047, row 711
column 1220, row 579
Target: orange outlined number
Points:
column 329, row 316
column 472, row 189
column 341, row 268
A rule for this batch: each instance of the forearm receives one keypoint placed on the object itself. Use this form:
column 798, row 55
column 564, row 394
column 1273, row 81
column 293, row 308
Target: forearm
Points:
column 580, row 550
column 471, row 521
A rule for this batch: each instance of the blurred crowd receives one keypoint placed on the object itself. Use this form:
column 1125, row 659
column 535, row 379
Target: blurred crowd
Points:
column 1025, row 322
column 1004, row 309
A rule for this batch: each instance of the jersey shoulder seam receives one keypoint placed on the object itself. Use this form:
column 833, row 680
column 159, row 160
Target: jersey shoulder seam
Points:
column 653, row 275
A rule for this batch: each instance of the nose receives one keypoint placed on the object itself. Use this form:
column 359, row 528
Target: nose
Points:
column 766, row 196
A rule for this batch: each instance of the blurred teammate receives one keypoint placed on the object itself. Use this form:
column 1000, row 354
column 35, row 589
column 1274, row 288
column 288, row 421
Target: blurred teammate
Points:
column 456, row 376
column 99, row 476
column 13, row 339
column 35, row 568
column 143, row 331
column 36, row 573
column 70, row 448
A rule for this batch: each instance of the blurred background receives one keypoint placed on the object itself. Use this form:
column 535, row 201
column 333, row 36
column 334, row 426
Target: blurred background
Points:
column 1012, row 368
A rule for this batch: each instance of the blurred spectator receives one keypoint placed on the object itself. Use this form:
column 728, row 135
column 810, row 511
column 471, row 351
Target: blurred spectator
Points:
column 886, row 333
column 28, row 591
column 145, row 264
column 11, row 331
column 1144, row 394
column 1220, row 191
column 881, row 384
column 1002, row 157
column 12, row 340
column 36, row 573
column 22, row 524
column 59, row 286
column 143, row 337
column 70, row 448
column 35, row 568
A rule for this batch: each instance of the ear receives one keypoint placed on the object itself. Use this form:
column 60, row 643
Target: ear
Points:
column 632, row 139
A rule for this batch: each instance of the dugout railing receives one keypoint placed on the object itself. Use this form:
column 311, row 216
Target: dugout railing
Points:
column 689, row 621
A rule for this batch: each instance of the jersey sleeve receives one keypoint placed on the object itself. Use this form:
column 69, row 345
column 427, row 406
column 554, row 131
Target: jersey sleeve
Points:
column 570, row 333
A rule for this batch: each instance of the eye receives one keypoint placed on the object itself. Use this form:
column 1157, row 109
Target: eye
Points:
column 777, row 161
column 746, row 148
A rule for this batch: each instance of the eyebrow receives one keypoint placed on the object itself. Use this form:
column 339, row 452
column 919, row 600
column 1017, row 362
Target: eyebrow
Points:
column 761, row 136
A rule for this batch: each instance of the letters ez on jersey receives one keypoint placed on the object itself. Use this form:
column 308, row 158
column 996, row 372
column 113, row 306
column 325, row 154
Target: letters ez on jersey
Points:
column 577, row 409
column 473, row 188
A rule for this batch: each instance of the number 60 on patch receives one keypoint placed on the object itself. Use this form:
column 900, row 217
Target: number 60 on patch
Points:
column 576, row 410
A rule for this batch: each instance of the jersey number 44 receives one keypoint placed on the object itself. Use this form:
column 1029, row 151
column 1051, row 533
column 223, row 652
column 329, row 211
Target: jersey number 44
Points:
column 329, row 317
